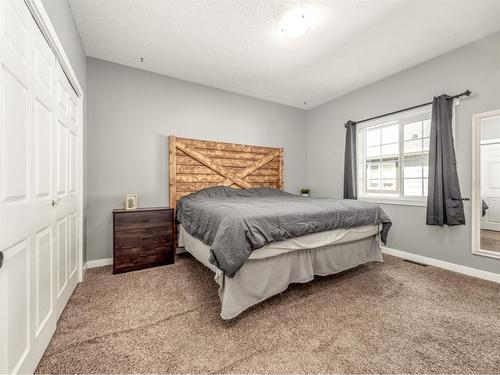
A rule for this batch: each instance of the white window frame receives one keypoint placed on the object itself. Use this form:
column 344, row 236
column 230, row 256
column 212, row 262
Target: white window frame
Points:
column 403, row 117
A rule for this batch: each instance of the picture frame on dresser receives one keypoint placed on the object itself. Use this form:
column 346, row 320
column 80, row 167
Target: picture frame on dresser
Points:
column 131, row 201
column 143, row 238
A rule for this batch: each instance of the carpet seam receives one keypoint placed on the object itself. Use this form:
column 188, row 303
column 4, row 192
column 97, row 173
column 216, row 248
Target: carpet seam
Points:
column 123, row 331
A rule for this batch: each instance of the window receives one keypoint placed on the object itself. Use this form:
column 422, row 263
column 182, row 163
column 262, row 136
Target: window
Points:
column 393, row 156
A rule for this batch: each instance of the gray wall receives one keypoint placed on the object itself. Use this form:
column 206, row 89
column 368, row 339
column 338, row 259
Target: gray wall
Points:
column 130, row 114
column 475, row 67
column 61, row 17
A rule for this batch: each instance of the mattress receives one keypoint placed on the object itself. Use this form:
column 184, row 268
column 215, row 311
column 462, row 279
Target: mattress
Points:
column 309, row 241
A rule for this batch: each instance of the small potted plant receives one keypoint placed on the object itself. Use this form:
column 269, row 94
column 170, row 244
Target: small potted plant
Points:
column 305, row 192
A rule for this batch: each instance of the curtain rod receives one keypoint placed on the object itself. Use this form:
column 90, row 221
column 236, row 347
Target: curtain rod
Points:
column 465, row 93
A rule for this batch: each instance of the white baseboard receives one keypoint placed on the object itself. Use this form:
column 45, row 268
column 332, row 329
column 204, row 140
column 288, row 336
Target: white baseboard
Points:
column 98, row 263
column 469, row 271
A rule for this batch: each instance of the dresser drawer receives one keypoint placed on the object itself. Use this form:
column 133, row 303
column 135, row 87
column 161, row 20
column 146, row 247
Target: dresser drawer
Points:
column 135, row 257
column 141, row 237
column 143, row 219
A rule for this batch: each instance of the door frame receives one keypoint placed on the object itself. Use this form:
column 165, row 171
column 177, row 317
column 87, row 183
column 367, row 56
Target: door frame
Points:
column 42, row 19
column 476, row 185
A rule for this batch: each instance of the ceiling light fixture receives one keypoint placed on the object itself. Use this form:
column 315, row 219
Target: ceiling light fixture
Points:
column 295, row 23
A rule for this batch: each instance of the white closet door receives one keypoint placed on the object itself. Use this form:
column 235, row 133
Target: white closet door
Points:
column 65, row 203
column 39, row 139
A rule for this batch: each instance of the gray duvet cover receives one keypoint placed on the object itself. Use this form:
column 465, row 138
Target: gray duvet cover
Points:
column 235, row 222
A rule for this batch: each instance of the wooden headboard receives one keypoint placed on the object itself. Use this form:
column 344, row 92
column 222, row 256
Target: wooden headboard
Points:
column 195, row 165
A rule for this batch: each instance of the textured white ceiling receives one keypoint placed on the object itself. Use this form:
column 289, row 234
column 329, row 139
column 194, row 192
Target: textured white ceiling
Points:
column 235, row 44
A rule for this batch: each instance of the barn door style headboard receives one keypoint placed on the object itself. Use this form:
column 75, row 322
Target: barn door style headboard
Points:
column 196, row 165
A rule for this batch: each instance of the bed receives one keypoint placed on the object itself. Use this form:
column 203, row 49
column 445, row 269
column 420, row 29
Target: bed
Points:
column 235, row 219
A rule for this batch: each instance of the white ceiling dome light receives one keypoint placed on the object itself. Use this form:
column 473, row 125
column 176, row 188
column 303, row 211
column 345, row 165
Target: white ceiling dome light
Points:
column 295, row 22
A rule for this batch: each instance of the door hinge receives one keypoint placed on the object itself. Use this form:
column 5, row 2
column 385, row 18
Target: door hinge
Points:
column 1, row 259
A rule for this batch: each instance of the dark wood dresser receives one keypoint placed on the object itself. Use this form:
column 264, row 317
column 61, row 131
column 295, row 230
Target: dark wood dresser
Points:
column 142, row 238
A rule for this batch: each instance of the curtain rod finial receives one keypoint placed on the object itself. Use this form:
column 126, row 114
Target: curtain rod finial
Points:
column 467, row 92
column 349, row 123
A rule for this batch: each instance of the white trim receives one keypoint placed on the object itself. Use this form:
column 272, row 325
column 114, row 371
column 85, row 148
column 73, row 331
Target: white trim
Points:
column 43, row 21
column 490, row 141
column 397, row 201
column 476, row 185
column 81, row 184
column 469, row 271
column 98, row 263
column 386, row 120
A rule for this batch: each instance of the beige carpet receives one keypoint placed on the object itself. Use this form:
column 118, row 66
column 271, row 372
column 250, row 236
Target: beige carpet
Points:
column 395, row 317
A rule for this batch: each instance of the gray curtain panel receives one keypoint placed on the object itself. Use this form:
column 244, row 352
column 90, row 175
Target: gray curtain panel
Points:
column 350, row 166
column 444, row 200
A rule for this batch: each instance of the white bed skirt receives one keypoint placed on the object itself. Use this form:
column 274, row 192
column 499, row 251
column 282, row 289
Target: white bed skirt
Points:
column 260, row 279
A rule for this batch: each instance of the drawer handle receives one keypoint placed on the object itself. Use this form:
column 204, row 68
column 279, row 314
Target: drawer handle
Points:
column 145, row 237
column 145, row 220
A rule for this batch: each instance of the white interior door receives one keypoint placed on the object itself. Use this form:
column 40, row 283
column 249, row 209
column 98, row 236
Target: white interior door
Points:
column 65, row 202
column 490, row 185
column 39, row 190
